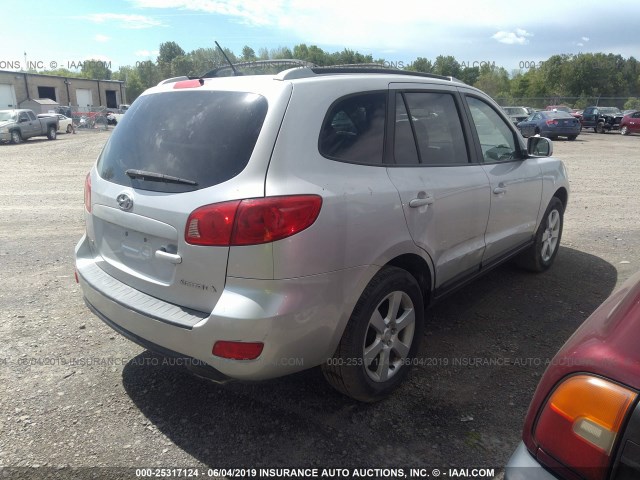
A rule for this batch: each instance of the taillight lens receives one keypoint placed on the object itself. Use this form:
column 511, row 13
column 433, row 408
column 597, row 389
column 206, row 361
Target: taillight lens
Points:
column 252, row 221
column 87, row 192
column 580, row 422
column 237, row 350
column 552, row 122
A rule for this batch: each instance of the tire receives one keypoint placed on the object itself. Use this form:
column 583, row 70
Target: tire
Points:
column 572, row 137
column 376, row 351
column 624, row 130
column 540, row 256
column 69, row 129
column 16, row 137
column 600, row 128
column 51, row 133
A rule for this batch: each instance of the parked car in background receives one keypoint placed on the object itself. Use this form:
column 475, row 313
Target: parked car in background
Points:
column 562, row 108
column 551, row 124
column 221, row 226
column 584, row 419
column 602, row 119
column 630, row 123
column 19, row 125
column 516, row 114
column 65, row 124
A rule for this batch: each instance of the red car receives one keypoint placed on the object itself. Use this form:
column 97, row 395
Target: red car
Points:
column 584, row 419
column 630, row 123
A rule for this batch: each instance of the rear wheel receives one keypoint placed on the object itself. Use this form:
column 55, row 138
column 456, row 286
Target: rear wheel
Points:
column 69, row 128
column 15, row 136
column 381, row 339
column 572, row 137
column 540, row 256
column 624, row 130
column 51, row 133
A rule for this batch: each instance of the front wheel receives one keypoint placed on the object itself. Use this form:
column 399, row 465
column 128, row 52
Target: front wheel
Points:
column 15, row 136
column 381, row 339
column 624, row 130
column 69, row 128
column 572, row 137
column 540, row 256
column 51, row 133
column 600, row 128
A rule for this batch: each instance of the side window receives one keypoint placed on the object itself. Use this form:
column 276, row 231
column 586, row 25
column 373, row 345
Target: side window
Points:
column 437, row 128
column 496, row 138
column 537, row 116
column 636, row 115
column 31, row 116
column 23, row 117
column 404, row 146
column 353, row 130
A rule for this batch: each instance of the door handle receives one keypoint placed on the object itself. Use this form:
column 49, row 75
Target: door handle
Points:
column 170, row 257
column 422, row 200
column 499, row 190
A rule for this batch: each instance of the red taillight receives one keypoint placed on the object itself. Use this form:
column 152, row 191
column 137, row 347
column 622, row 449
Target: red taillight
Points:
column 579, row 424
column 237, row 350
column 189, row 83
column 87, row 192
column 551, row 122
column 252, row 221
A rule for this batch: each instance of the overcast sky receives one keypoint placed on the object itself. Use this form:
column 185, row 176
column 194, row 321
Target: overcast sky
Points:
column 511, row 34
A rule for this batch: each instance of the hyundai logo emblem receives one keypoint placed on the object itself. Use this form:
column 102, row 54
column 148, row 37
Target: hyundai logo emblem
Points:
column 125, row 202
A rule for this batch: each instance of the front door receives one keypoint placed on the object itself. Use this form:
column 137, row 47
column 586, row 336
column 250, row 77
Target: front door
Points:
column 515, row 182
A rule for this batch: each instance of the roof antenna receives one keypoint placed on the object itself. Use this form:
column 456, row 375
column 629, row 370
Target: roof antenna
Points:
column 235, row 73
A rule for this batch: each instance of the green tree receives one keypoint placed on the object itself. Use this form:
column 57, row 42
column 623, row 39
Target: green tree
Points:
column 248, row 54
column 446, row 65
column 167, row 52
column 95, row 69
column 421, row 64
column 182, row 65
column 632, row 104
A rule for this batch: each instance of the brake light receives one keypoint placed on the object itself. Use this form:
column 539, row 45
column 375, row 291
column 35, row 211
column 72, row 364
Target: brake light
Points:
column 189, row 83
column 237, row 350
column 87, row 192
column 580, row 422
column 252, row 221
column 551, row 122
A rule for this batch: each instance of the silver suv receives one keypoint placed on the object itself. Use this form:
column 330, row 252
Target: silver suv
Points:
column 261, row 225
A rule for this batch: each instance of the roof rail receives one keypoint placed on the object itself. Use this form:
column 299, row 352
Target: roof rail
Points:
column 285, row 62
column 357, row 68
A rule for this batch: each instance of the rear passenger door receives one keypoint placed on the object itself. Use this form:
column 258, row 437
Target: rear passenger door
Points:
column 445, row 194
column 515, row 180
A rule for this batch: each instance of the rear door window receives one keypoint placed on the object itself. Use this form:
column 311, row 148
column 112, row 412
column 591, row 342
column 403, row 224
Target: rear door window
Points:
column 353, row 129
column 206, row 137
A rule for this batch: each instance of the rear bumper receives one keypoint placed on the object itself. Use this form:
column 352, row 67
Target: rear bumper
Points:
column 300, row 321
column 523, row 466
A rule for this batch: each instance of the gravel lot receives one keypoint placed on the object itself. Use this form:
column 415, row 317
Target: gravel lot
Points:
column 76, row 394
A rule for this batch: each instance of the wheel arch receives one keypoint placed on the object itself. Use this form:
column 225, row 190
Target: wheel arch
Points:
column 419, row 268
column 562, row 195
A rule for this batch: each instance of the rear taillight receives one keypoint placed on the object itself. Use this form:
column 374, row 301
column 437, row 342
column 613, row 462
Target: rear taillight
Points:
column 579, row 424
column 251, row 221
column 87, row 192
column 552, row 122
column 237, row 350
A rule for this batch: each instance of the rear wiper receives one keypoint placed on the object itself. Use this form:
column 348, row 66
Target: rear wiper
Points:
column 157, row 177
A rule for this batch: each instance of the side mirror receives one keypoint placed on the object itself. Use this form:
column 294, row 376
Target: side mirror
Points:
column 539, row 147
column 23, row 120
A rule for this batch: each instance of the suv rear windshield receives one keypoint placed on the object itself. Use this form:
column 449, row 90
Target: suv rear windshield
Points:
column 205, row 137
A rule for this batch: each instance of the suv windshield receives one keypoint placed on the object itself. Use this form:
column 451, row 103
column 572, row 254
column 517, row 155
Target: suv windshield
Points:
column 7, row 115
column 609, row 110
column 206, row 137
